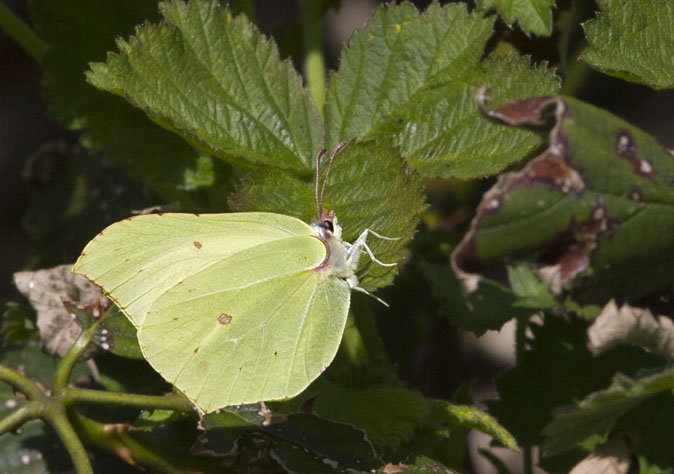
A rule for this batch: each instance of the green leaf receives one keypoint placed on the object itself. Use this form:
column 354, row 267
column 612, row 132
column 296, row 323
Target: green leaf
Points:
column 599, row 411
column 75, row 193
column 588, row 197
column 118, row 336
column 298, row 442
column 82, row 32
column 216, row 81
column 388, row 416
column 17, row 324
column 555, row 369
column 633, row 41
column 369, row 188
column 488, row 308
column 32, row 451
column 533, row 16
column 414, row 77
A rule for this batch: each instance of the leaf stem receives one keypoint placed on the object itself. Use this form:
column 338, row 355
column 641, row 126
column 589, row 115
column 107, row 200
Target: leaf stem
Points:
column 20, row 383
column 83, row 395
column 73, row 355
column 55, row 414
column 18, row 417
column 314, row 63
column 22, row 34
column 115, row 439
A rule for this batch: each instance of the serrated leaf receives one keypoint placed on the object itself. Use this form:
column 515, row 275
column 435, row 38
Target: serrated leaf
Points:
column 633, row 40
column 555, row 369
column 599, row 411
column 533, row 16
column 82, row 32
column 369, row 187
column 588, row 197
column 414, row 77
column 473, row 418
column 216, row 81
column 298, row 442
column 388, row 416
column 488, row 308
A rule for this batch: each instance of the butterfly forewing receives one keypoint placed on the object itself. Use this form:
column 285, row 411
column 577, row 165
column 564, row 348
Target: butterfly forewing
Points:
column 138, row 259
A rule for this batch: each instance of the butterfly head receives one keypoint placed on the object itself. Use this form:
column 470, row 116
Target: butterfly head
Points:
column 327, row 226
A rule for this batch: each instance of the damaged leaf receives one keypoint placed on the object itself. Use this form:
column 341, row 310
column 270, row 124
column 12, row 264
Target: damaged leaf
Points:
column 578, row 211
column 46, row 291
column 611, row 457
column 630, row 325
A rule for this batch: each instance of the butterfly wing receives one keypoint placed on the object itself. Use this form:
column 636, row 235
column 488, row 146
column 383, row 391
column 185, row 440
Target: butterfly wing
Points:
column 258, row 325
column 138, row 259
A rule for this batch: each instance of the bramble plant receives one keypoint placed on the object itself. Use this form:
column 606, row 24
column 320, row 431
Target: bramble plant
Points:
column 190, row 116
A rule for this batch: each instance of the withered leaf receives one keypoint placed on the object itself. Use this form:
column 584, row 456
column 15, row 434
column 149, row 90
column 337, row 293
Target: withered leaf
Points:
column 46, row 290
column 630, row 325
column 578, row 211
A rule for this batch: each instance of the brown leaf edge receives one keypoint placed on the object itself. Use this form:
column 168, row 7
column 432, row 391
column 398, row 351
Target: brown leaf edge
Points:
column 550, row 167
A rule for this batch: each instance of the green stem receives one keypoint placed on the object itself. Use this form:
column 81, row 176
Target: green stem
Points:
column 115, row 440
column 55, row 414
column 71, row 358
column 314, row 64
column 169, row 402
column 20, row 383
column 18, row 417
column 19, row 32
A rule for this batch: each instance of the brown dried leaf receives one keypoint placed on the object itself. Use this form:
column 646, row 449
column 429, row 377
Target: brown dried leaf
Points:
column 630, row 325
column 46, row 290
column 612, row 457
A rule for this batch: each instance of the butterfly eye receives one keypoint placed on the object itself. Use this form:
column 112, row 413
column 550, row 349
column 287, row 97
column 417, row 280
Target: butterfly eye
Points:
column 327, row 225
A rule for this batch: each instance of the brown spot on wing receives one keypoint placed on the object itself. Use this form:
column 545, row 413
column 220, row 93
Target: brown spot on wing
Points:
column 197, row 244
column 224, row 319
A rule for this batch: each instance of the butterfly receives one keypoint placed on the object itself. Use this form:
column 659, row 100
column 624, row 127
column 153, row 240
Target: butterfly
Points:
column 232, row 308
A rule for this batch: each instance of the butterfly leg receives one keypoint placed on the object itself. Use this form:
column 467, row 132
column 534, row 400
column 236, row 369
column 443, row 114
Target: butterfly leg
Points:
column 353, row 284
column 353, row 250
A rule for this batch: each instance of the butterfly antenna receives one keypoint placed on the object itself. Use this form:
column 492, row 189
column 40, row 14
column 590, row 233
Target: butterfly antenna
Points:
column 319, row 203
column 327, row 174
